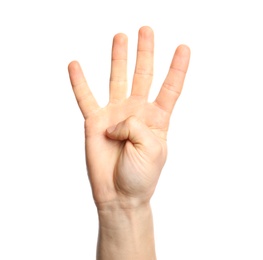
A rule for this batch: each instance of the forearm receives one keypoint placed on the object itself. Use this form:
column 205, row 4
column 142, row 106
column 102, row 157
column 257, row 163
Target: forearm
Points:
column 126, row 234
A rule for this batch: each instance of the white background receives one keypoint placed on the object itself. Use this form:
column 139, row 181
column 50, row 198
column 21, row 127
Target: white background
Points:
column 208, row 203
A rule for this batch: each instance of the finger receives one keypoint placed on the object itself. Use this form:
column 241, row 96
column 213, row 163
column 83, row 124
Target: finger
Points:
column 83, row 95
column 173, row 84
column 144, row 63
column 118, row 77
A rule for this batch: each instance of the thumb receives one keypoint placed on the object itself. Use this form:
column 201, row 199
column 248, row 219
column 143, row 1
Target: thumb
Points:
column 131, row 129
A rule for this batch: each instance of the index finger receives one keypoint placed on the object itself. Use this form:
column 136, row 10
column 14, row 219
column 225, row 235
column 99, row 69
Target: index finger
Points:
column 173, row 84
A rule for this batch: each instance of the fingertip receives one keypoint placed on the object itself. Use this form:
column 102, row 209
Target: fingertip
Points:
column 146, row 31
column 75, row 71
column 120, row 38
column 110, row 129
column 73, row 66
column 181, row 57
column 184, row 50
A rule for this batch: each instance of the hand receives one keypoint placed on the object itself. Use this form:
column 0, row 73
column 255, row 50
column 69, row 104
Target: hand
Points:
column 126, row 140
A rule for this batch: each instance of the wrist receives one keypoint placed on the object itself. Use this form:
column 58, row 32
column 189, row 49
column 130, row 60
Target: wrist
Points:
column 122, row 202
column 128, row 231
column 116, row 215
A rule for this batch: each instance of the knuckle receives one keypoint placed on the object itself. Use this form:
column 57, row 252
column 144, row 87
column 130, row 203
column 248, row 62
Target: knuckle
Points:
column 172, row 88
column 131, row 121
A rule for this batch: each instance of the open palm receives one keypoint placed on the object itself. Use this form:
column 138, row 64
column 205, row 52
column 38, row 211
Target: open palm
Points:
column 126, row 140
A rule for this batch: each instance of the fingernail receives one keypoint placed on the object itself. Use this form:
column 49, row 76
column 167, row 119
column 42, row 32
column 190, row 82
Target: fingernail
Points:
column 111, row 129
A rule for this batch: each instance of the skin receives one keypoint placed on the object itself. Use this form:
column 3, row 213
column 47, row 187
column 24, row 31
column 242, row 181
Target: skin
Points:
column 126, row 145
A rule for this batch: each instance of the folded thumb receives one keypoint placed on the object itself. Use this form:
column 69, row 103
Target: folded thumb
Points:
column 131, row 129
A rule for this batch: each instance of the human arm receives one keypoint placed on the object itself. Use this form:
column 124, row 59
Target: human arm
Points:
column 126, row 146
